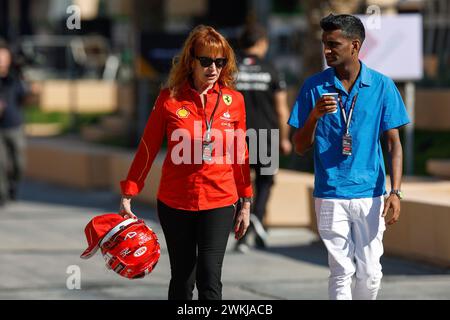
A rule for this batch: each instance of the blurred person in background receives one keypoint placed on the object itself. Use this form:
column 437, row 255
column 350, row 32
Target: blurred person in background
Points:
column 265, row 96
column 349, row 170
column 197, row 196
column 12, row 136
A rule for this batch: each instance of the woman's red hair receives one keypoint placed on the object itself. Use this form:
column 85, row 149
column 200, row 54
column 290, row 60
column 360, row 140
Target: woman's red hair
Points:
column 202, row 37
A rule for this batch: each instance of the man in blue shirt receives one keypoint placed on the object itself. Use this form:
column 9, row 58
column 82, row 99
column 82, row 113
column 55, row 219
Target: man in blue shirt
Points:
column 349, row 168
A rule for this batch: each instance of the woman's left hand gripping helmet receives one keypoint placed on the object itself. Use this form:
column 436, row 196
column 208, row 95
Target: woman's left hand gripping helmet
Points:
column 129, row 246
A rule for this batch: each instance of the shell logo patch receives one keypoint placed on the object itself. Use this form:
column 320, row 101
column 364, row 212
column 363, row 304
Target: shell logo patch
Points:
column 139, row 252
column 227, row 99
column 183, row 113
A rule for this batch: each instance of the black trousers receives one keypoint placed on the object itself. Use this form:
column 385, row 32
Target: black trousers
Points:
column 196, row 241
column 263, row 183
column 12, row 161
column 263, row 186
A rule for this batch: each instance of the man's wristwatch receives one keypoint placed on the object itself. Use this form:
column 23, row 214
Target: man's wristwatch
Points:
column 247, row 199
column 398, row 193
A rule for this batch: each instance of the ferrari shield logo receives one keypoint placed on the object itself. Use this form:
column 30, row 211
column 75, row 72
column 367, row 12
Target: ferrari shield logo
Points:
column 183, row 113
column 227, row 99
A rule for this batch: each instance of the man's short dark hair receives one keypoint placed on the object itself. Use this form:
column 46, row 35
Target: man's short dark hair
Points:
column 351, row 26
column 251, row 35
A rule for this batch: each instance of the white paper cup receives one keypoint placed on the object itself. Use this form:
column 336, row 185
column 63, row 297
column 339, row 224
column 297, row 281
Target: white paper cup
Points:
column 335, row 95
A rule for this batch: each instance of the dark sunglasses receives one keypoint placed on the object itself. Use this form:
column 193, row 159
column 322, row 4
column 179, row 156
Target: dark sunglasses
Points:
column 206, row 62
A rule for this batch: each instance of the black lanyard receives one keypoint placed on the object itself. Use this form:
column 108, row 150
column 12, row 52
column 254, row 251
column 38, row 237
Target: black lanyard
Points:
column 348, row 119
column 211, row 119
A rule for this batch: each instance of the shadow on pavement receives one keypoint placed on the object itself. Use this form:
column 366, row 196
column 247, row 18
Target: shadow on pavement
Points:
column 100, row 200
column 106, row 201
column 316, row 253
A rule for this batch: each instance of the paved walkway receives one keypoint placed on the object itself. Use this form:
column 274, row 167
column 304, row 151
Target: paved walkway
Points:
column 41, row 237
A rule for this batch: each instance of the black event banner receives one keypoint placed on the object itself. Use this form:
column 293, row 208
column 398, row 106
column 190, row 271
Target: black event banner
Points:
column 227, row 309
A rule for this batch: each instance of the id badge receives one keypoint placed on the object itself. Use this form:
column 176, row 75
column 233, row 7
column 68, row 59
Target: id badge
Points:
column 207, row 151
column 347, row 145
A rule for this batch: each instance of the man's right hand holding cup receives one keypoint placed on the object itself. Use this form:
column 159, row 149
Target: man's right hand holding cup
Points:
column 326, row 104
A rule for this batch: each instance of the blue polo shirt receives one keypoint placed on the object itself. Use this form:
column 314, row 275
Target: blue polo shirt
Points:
column 379, row 107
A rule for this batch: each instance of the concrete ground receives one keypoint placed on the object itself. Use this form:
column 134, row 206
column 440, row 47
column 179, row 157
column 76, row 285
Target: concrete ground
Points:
column 42, row 237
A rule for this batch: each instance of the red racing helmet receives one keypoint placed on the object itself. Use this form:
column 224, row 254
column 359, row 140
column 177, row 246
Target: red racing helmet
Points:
column 129, row 246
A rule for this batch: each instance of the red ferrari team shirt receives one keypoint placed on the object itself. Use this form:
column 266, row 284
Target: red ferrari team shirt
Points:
column 195, row 177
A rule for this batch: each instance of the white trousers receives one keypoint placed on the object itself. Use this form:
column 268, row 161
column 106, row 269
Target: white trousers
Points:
column 352, row 231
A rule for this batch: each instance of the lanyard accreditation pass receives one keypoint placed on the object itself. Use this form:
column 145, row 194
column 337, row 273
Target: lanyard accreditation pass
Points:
column 207, row 143
column 347, row 140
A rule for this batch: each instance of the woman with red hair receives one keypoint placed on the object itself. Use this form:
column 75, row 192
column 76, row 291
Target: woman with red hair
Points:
column 206, row 169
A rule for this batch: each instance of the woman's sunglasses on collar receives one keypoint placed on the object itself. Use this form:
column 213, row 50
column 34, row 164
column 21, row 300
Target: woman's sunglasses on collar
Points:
column 206, row 62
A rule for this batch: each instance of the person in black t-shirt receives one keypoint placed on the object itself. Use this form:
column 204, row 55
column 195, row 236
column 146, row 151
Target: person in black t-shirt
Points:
column 12, row 137
column 265, row 97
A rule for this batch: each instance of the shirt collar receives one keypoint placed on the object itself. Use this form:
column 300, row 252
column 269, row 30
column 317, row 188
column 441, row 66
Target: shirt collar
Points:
column 188, row 87
column 364, row 76
column 215, row 88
